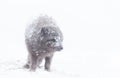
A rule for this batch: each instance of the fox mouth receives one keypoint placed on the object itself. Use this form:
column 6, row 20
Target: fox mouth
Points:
column 58, row 48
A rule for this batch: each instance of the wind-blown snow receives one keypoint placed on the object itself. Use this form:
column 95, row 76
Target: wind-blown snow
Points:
column 91, row 38
column 41, row 21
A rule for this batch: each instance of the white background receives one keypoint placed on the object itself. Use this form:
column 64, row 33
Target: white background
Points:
column 91, row 30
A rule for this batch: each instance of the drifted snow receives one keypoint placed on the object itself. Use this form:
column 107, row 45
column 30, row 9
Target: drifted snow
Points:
column 14, row 68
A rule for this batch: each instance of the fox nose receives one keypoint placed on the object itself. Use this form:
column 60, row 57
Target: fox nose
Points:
column 61, row 48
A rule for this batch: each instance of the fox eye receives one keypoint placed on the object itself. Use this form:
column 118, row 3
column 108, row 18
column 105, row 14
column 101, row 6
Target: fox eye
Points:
column 54, row 40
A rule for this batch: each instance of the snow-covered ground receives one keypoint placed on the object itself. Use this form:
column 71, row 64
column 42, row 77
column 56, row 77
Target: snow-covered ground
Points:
column 91, row 30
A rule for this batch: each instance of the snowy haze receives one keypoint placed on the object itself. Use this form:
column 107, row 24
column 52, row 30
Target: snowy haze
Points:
column 91, row 30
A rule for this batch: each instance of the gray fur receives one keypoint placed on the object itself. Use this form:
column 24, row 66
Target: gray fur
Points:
column 43, row 37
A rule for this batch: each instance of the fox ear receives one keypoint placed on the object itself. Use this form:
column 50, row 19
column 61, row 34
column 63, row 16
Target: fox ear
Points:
column 45, row 31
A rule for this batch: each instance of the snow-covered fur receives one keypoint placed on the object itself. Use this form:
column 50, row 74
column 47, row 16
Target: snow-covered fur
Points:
column 43, row 37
